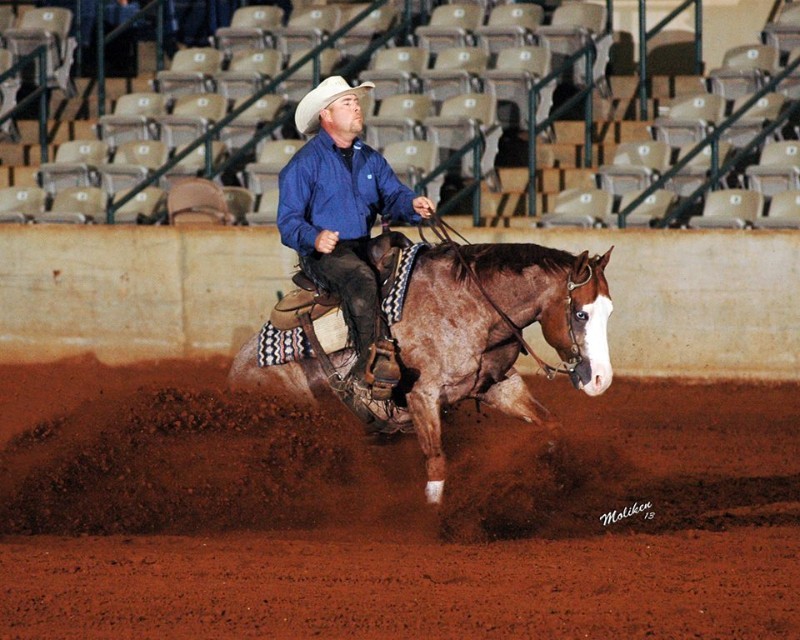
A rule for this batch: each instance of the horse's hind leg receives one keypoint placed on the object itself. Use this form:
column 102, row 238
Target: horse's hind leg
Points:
column 425, row 408
column 512, row 397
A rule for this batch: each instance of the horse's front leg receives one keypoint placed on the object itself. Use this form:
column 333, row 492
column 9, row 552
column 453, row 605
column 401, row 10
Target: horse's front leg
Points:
column 426, row 411
column 512, row 397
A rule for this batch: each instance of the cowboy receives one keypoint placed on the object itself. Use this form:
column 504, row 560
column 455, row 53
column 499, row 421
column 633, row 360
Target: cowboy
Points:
column 331, row 192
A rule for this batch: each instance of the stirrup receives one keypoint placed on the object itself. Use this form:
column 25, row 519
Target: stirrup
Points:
column 382, row 373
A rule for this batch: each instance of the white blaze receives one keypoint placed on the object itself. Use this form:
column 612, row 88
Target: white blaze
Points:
column 596, row 345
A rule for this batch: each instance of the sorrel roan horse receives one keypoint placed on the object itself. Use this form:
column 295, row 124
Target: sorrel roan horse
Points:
column 453, row 343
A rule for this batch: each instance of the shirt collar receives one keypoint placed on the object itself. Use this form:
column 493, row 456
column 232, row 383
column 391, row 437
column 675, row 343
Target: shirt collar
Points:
column 328, row 141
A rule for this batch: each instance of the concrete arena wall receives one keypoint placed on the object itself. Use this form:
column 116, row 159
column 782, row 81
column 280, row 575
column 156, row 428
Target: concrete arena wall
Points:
column 697, row 304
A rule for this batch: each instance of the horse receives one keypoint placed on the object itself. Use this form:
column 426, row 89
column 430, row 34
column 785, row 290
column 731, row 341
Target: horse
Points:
column 460, row 335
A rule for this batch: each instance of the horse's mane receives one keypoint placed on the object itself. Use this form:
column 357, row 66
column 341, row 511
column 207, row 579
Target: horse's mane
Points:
column 488, row 259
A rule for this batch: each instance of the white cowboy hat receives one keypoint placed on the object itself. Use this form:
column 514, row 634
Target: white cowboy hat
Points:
column 306, row 117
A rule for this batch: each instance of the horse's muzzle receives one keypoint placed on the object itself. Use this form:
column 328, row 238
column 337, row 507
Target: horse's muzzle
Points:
column 581, row 375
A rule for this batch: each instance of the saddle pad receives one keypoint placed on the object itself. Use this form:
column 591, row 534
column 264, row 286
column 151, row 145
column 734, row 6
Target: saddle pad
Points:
column 279, row 346
column 392, row 304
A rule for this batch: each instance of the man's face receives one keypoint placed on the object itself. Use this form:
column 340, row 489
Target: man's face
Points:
column 346, row 116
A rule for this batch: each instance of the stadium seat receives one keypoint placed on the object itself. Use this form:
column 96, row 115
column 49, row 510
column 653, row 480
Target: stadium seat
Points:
column 413, row 160
column 197, row 201
column 75, row 165
column 790, row 85
column 456, row 71
column 395, row 70
column 8, row 18
column 766, row 109
column 784, row 212
column 191, row 117
column 307, row 28
column 654, row 207
column 510, row 25
column 146, row 207
column 248, row 72
column 729, row 209
column 133, row 162
column 241, row 203
column 48, row 27
column 698, row 171
column 267, row 212
column 579, row 208
column 251, row 28
column 76, row 205
column 240, row 130
column 194, row 164
column 515, row 72
column 572, row 27
column 399, row 118
column 192, row 71
column 636, row 165
column 301, row 81
column 690, row 119
column 133, row 118
column 784, row 33
column 462, row 119
column 745, row 69
column 263, row 174
column 21, row 204
column 778, row 168
column 451, row 25
column 376, row 23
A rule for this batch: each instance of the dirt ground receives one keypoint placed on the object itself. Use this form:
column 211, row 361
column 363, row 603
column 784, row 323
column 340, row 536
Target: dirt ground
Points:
column 149, row 502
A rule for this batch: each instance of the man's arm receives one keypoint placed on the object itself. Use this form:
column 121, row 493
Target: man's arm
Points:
column 295, row 195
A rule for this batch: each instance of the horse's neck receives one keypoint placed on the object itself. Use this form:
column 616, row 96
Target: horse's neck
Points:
column 523, row 296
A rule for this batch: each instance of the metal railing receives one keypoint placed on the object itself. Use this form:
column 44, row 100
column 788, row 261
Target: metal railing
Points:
column 215, row 130
column 474, row 146
column 37, row 57
column 104, row 40
column 646, row 35
column 713, row 140
column 587, row 53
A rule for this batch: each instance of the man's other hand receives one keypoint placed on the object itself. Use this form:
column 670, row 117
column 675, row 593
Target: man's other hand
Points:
column 423, row 206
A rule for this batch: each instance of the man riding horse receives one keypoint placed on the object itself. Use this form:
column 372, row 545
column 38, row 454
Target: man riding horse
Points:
column 331, row 192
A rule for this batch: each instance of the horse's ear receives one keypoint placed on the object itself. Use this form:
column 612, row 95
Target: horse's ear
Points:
column 602, row 261
column 580, row 265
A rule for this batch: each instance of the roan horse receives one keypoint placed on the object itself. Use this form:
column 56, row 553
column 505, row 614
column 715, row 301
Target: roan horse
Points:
column 454, row 343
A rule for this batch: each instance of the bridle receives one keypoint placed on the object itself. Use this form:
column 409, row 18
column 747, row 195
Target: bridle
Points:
column 442, row 231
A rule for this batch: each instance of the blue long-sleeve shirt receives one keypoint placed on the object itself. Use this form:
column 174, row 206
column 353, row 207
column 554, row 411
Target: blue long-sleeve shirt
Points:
column 318, row 191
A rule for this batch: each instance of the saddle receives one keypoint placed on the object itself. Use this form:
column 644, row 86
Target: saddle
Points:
column 310, row 300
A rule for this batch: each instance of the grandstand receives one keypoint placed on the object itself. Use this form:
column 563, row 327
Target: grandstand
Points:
column 446, row 73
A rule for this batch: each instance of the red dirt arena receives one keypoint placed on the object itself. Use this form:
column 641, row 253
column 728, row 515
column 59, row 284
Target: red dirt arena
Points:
column 148, row 502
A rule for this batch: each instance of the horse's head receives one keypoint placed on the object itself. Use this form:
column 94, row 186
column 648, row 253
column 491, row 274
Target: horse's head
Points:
column 575, row 325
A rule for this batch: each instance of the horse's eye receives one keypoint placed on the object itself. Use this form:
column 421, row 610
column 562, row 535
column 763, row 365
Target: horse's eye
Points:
column 582, row 316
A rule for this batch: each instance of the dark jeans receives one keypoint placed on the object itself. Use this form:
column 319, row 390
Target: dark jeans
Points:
column 347, row 272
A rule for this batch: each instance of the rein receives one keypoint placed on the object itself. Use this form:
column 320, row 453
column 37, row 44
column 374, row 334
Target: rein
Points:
column 442, row 230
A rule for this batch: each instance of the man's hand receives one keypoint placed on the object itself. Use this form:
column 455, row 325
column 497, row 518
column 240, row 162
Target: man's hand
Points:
column 423, row 206
column 326, row 241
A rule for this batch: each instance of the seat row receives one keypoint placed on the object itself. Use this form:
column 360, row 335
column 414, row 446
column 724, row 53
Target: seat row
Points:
column 145, row 116
column 636, row 165
column 89, row 163
column 153, row 205
column 722, row 209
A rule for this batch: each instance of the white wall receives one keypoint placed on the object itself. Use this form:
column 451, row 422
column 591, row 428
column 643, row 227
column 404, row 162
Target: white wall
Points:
column 687, row 303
